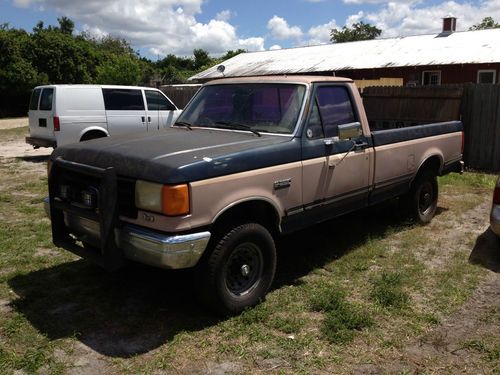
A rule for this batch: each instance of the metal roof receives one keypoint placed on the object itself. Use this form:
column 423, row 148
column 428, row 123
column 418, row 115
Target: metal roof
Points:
column 467, row 47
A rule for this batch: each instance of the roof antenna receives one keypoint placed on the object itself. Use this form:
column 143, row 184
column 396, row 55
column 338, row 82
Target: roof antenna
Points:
column 221, row 69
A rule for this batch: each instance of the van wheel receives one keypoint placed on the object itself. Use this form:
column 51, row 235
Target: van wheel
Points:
column 423, row 196
column 239, row 271
column 92, row 135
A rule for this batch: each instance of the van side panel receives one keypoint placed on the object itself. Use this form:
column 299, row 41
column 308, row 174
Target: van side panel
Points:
column 80, row 109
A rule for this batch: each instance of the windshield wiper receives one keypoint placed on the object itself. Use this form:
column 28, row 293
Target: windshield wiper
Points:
column 236, row 125
column 184, row 124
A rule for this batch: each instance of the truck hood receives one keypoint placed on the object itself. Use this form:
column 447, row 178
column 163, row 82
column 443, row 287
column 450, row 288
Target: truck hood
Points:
column 179, row 155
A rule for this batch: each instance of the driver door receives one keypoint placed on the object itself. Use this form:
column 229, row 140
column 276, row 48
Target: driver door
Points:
column 335, row 172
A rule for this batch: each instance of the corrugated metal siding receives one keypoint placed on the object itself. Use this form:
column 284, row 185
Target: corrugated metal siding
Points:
column 469, row 47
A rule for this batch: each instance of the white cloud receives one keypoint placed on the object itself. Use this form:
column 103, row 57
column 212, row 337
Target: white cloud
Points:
column 361, row 2
column 320, row 34
column 274, row 47
column 224, row 15
column 354, row 18
column 167, row 26
column 252, row 44
column 411, row 18
column 22, row 3
column 281, row 30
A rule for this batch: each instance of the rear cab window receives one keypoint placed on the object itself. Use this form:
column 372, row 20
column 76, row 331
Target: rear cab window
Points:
column 35, row 96
column 123, row 99
column 157, row 102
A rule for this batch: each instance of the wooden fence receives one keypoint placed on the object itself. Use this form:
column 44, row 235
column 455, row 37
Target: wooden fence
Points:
column 395, row 107
column 180, row 94
column 478, row 106
column 481, row 118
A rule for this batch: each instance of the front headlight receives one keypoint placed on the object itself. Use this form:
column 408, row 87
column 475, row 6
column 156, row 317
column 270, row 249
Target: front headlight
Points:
column 171, row 200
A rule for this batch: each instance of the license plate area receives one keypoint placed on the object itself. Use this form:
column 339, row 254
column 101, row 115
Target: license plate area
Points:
column 102, row 185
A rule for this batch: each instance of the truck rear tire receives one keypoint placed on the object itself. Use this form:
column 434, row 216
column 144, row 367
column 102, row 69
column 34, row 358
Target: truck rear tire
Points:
column 423, row 196
column 239, row 271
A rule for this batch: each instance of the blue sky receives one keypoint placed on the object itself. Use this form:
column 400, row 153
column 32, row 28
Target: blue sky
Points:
column 160, row 27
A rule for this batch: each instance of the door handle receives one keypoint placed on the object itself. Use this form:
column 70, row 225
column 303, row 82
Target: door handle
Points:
column 330, row 141
column 360, row 146
column 149, row 118
column 143, row 119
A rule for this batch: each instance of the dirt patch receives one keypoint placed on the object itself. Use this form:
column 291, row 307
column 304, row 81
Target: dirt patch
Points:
column 447, row 344
column 5, row 306
column 83, row 360
column 11, row 123
column 20, row 149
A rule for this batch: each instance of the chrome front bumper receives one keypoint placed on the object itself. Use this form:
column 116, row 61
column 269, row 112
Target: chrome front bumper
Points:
column 495, row 219
column 143, row 245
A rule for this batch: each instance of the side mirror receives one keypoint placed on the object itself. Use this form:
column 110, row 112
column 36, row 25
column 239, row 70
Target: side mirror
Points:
column 351, row 130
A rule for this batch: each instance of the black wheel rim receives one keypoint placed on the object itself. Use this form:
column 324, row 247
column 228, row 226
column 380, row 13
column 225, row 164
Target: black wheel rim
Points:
column 243, row 269
column 426, row 198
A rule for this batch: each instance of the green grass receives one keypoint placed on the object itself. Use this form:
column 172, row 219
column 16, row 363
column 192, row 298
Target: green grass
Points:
column 388, row 291
column 13, row 133
column 469, row 179
column 350, row 291
column 342, row 318
column 489, row 347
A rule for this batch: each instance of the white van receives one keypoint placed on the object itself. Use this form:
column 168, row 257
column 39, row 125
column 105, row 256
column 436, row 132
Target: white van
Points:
column 62, row 114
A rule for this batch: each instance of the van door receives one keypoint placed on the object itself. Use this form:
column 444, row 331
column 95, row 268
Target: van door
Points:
column 162, row 113
column 125, row 111
column 41, row 115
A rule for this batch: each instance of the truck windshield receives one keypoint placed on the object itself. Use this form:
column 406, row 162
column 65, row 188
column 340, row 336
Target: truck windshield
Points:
column 259, row 107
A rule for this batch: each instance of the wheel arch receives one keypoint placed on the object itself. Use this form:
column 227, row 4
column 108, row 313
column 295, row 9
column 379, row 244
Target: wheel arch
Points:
column 433, row 162
column 97, row 130
column 260, row 210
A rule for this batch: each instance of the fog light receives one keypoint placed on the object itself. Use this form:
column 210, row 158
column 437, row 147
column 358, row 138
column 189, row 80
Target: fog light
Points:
column 89, row 198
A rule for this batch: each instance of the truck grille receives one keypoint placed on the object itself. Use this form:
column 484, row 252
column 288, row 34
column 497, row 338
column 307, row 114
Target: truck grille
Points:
column 83, row 191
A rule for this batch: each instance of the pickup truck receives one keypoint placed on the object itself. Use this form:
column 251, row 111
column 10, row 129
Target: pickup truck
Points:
column 249, row 159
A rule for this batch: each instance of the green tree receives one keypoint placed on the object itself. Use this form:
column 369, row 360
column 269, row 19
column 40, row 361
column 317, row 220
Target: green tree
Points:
column 66, row 26
column 230, row 54
column 201, row 58
column 119, row 70
column 62, row 57
column 358, row 31
column 486, row 23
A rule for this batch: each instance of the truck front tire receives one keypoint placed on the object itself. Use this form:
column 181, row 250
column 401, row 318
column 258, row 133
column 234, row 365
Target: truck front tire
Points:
column 424, row 196
column 239, row 271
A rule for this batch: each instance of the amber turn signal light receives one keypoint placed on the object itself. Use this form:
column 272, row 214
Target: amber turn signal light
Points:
column 175, row 200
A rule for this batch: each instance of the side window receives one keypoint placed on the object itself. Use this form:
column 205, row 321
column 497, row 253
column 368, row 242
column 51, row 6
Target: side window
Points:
column 333, row 106
column 157, row 102
column 123, row 100
column 35, row 95
column 46, row 100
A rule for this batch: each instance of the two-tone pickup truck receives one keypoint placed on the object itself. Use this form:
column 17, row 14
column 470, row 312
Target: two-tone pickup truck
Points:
column 248, row 160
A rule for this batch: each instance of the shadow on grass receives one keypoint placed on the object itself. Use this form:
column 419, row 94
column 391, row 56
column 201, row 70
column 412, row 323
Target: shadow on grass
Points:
column 306, row 250
column 486, row 251
column 140, row 308
column 34, row 158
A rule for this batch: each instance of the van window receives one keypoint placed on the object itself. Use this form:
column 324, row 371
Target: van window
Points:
column 46, row 100
column 35, row 95
column 123, row 99
column 157, row 102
